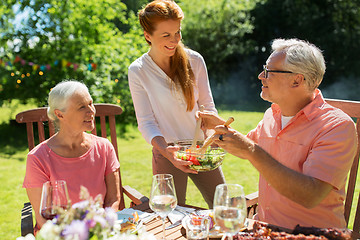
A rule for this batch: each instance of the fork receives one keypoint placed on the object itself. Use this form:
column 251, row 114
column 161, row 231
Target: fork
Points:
column 187, row 212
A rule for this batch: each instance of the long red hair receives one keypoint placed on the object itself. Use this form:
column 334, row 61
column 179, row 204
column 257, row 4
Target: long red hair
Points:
column 180, row 68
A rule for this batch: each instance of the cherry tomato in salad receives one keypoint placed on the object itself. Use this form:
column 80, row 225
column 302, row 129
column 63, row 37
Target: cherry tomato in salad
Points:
column 193, row 159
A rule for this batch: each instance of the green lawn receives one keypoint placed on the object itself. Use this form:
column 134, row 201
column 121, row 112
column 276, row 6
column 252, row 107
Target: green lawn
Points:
column 135, row 158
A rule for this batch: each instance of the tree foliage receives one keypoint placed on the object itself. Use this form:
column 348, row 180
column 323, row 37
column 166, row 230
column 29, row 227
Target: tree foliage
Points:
column 72, row 39
column 332, row 25
column 96, row 40
column 216, row 29
column 235, row 37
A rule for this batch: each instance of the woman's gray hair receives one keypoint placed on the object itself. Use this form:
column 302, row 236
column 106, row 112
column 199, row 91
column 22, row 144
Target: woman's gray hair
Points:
column 302, row 57
column 60, row 94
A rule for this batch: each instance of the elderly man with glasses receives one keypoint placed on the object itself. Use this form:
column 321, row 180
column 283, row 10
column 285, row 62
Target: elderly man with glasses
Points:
column 303, row 148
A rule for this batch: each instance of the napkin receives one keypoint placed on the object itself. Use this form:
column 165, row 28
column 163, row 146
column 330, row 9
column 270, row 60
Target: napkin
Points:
column 179, row 213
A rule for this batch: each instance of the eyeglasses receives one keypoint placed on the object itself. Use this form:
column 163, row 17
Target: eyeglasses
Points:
column 266, row 71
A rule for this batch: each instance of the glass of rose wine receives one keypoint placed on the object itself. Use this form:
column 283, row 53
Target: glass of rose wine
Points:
column 53, row 197
column 163, row 197
column 230, row 208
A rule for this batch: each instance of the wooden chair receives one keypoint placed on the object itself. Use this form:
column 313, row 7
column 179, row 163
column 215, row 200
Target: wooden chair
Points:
column 352, row 108
column 39, row 116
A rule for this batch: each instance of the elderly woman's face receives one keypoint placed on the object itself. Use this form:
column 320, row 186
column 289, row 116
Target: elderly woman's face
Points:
column 80, row 112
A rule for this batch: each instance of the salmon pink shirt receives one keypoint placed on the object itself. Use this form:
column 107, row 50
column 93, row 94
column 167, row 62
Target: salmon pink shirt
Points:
column 88, row 170
column 319, row 141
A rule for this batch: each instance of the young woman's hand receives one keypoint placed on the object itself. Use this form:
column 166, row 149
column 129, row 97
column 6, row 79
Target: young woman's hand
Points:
column 170, row 153
column 178, row 163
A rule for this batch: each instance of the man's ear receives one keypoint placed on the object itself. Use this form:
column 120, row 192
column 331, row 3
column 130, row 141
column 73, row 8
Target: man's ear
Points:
column 300, row 79
column 58, row 113
column 147, row 36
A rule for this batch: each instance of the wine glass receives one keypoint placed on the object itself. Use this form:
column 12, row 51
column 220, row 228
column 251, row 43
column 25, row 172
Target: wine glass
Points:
column 53, row 197
column 229, row 208
column 163, row 197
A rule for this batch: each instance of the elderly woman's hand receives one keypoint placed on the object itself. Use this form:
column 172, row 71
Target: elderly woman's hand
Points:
column 209, row 120
column 233, row 142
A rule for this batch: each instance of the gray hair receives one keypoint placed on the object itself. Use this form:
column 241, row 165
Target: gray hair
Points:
column 302, row 57
column 60, row 94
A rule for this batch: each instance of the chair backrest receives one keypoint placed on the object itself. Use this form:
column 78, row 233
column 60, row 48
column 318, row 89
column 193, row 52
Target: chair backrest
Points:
column 39, row 117
column 352, row 108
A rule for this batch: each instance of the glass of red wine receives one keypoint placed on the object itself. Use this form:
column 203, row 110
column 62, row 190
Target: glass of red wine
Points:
column 54, row 197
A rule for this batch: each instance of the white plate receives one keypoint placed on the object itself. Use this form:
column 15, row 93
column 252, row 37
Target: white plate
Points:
column 126, row 217
column 123, row 217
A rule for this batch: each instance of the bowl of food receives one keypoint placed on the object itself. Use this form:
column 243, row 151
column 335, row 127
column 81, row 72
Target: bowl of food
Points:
column 203, row 159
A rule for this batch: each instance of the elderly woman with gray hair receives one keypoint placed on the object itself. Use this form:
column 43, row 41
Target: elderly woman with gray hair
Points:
column 72, row 154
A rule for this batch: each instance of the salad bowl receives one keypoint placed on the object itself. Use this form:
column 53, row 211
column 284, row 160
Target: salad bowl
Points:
column 211, row 159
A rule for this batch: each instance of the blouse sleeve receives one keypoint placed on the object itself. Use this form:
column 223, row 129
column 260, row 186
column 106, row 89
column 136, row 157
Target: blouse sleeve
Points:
column 145, row 117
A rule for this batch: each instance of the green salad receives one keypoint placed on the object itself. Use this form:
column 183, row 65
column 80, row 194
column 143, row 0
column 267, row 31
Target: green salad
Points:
column 210, row 160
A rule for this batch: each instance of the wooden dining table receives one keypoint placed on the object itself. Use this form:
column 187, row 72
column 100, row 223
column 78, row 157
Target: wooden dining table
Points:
column 155, row 225
column 176, row 233
column 179, row 233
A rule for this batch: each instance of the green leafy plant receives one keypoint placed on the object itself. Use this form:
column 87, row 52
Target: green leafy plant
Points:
column 88, row 220
column 72, row 39
column 217, row 29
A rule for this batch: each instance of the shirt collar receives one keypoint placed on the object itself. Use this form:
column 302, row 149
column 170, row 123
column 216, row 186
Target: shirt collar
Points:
column 309, row 109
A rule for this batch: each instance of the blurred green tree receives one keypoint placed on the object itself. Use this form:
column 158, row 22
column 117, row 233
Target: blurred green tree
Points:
column 217, row 29
column 96, row 40
column 72, row 39
column 333, row 25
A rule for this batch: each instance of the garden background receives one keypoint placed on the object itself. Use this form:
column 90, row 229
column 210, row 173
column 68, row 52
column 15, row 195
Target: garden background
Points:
column 44, row 42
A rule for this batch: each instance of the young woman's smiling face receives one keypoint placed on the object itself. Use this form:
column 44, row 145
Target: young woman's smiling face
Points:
column 165, row 38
